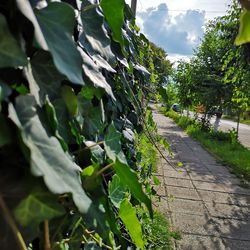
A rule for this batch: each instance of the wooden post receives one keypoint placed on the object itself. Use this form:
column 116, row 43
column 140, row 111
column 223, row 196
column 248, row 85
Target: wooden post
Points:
column 133, row 6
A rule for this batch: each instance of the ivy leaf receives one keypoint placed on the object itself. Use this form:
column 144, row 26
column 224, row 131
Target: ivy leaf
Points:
column 94, row 74
column 127, row 214
column 46, row 76
column 115, row 18
column 11, row 54
column 96, row 151
column 5, row 92
column 244, row 33
column 63, row 119
column 26, row 9
column 112, row 145
column 70, row 99
column 51, row 115
column 116, row 191
column 129, row 178
column 5, row 133
column 57, row 22
column 93, row 117
column 38, row 206
column 48, row 160
column 95, row 36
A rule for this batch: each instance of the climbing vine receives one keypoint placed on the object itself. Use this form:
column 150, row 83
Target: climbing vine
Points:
column 72, row 96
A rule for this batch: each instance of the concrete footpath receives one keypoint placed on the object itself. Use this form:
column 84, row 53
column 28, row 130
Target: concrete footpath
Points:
column 202, row 199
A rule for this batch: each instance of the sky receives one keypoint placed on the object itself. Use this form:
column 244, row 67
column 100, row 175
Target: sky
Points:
column 177, row 25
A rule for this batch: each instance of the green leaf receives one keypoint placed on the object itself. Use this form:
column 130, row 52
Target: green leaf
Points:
column 112, row 145
column 26, row 9
column 129, row 178
column 57, row 22
column 156, row 180
column 5, row 133
column 179, row 164
column 20, row 88
column 88, row 171
column 70, row 99
column 5, row 92
column 45, row 75
column 93, row 117
column 63, row 119
column 115, row 18
column 116, row 191
column 244, row 33
column 94, row 75
column 11, row 54
column 48, row 160
column 127, row 214
column 90, row 92
column 51, row 115
column 38, row 206
column 96, row 151
column 95, row 36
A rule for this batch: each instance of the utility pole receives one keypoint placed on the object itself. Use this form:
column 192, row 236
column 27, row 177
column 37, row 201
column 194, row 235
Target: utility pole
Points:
column 133, row 6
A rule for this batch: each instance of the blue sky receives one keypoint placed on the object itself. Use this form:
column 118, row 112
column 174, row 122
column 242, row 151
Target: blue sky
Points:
column 177, row 25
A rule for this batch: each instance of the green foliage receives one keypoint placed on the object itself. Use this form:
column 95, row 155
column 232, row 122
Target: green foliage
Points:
column 127, row 214
column 74, row 79
column 37, row 207
column 169, row 95
column 158, row 233
column 57, row 23
column 147, row 154
column 244, row 34
column 115, row 18
column 117, row 191
column 10, row 51
column 217, row 76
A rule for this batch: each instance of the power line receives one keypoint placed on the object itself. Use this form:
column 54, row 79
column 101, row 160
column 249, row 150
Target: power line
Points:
column 207, row 11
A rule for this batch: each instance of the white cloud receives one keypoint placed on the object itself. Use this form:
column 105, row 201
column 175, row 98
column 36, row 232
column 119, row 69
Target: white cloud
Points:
column 177, row 35
column 177, row 25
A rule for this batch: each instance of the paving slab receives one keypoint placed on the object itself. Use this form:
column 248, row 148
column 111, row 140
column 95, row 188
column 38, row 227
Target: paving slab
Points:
column 187, row 206
column 184, row 193
column 177, row 174
column 177, row 182
column 242, row 200
column 196, row 242
column 204, row 200
column 194, row 224
column 233, row 229
column 209, row 186
column 216, row 197
column 228, row 211
column 237, row 244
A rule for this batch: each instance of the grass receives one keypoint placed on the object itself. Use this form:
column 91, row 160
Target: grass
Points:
column 147, row 153
column 242, row 120
column 158, row 233
column 220, row 144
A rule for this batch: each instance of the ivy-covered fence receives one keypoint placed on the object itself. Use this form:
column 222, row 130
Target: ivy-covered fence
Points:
column 72, row 86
